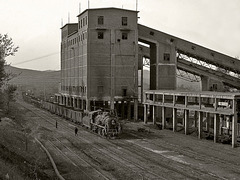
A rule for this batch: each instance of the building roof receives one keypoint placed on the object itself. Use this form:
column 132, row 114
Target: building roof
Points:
column 106, row 9
column 69, row 24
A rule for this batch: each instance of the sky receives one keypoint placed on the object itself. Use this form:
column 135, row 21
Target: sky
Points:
column 34, row 25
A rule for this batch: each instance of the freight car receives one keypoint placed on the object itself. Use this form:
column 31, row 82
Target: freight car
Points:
column 105, row 123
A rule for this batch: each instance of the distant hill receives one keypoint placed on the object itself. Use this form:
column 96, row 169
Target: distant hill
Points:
column 39, row 82
column 47, row 82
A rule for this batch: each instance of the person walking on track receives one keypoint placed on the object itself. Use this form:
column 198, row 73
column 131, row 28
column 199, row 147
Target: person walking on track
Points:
column 76, row 131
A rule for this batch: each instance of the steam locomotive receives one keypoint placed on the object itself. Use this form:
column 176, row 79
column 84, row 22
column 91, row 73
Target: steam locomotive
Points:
column 102, row 122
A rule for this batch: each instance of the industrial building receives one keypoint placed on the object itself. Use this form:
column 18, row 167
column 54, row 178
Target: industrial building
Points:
column 101, row 58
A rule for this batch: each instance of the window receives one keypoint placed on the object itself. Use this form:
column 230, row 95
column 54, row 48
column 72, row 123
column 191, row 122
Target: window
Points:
column 81, row 23
column 124, row 35
column 166, row 57
column 100, row 35
column 214, row 87
column 124, row 92
column 124, row 21
column 86, row 20
column 100, row 20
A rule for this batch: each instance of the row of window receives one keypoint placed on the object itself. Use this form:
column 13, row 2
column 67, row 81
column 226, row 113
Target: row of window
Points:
column 82, row 89
column 82, row 37
column 82, row 22
column 101, row 35
column 101, row 20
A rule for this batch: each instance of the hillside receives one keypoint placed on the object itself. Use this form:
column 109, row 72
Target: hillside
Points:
column 38, row 82
column 47, row 82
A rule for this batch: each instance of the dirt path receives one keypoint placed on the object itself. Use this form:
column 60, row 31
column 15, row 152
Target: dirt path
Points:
column 152, row 154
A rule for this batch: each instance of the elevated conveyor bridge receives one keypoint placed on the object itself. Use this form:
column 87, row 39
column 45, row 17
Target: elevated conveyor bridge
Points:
column 190, row 57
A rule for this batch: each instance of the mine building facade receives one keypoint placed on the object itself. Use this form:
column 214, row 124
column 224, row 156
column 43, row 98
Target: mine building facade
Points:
column 99, row 57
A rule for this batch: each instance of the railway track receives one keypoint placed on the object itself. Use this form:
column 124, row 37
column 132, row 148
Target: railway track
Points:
column 171, row 162
column 83, row 166
column 139, row 171
column 158, row 165
column 88, row 170
column 204, row 158
column 145, row 171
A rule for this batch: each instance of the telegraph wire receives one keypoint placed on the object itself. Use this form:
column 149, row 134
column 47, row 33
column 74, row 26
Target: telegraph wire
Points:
column 34, row 59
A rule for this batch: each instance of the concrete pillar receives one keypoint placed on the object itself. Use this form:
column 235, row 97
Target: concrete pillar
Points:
column 123, row 110
column 174, row 119
column 215, row 104
column 153, row 67
column 67, row 101
column 166, row 66
column 112, row 104
column 135, row 109
column 129, row 110
column 195, row 119
column 94, row 105
column 200, row 128
column 154, row 110
column 88, row 108
column 78, row 103
column 216, row 127
column 61, row 100
column 207, row 122
column 186, row 117
column 163, row 117
column 117, row 105
column 234, row 124
column 142, row 84
column 73, row 102
column 200, row 101
column 70, row 101
column 183, row 118
column 145, row 113
column 220, row 124
column 154, row 114
column 82, row 104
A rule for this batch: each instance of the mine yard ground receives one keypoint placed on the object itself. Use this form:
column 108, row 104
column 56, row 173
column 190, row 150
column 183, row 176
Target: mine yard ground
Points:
column 140, row 152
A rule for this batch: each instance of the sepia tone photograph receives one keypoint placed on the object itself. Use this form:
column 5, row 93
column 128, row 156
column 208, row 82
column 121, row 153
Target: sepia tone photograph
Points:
column 119, row 90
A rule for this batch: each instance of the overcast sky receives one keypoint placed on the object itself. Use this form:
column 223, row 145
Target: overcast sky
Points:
column 35, row 25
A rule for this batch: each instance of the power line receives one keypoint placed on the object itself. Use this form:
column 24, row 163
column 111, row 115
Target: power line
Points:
column 34, row 59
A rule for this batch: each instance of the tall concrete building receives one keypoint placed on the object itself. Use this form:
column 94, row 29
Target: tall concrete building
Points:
column 99, row 59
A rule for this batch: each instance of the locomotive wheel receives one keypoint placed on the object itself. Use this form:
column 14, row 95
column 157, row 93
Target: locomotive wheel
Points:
column 103, row 132
column 99, row 131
